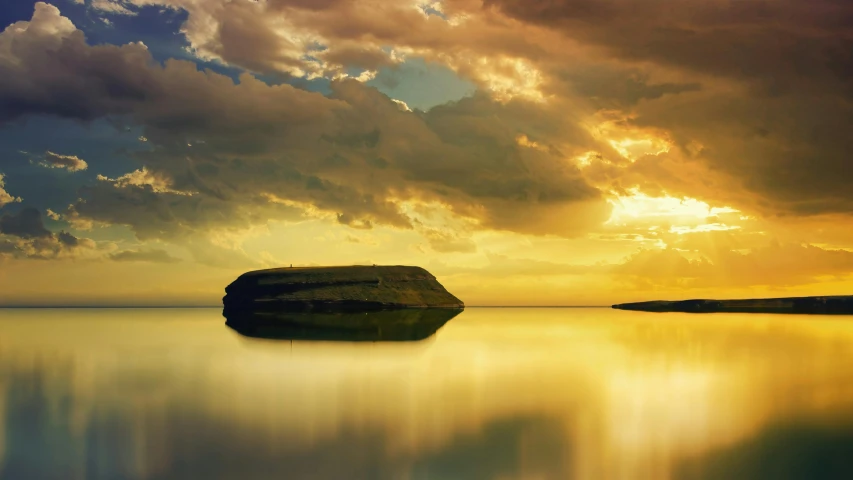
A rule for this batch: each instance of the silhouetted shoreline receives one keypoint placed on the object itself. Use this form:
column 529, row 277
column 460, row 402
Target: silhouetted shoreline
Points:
column 824, row 305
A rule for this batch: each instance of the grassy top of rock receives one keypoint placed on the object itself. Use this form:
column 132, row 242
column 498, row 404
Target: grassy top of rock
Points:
column 338, row 288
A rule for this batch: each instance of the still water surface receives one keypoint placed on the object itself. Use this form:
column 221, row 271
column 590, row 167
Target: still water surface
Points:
column 496, row 394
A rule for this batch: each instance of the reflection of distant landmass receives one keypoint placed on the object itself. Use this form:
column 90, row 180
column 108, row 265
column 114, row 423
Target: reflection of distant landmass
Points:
column 837, row 305
column 385, row 325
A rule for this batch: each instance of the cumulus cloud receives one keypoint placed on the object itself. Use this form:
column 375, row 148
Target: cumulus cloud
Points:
column 5, row 197
column 113, row 7
column 252, row 142
column 785, row 39
column 25, row 224
column 23, row 235
column 759, row 93
column 72, row 163
column 767, row 100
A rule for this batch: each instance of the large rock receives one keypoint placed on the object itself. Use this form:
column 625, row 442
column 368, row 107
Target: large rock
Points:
column 336, row 289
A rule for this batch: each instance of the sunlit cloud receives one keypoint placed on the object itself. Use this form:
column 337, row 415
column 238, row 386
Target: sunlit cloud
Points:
column 504, row 77
column 709, row 227
column 5, row 197
column 640, row 206
column 403, row 105
column 144, row 178
column 632, row 149
column 589, row 158
column 72, row 163
column 114, row 7
column 524, row 141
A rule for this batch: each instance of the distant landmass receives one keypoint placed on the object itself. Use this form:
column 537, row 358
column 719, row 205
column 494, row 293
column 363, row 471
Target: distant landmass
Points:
column 829, row 305
column 353, row 303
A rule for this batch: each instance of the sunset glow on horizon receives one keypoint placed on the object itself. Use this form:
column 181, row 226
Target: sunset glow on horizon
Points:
column 524, row 152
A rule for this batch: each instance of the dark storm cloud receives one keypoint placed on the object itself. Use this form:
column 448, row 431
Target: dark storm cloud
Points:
column 773, row 104
column 231, row 156
column 23, row 235
column 307, row 4
column 25, row 224
column 801, row 42
column 67, row 239
column 765, row 87
column 162, row 214
column 621, row 88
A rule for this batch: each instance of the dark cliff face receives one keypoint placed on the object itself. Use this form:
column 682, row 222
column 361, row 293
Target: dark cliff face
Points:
column 833, row 305
column 336, row 289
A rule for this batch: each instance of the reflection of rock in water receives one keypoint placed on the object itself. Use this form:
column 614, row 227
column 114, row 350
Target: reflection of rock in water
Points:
column 385, row 325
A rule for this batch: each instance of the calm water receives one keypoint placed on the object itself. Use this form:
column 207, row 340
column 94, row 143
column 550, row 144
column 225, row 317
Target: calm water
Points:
column 495, row 394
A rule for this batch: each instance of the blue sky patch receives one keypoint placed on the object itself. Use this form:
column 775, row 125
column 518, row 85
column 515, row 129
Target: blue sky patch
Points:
column 422, row 85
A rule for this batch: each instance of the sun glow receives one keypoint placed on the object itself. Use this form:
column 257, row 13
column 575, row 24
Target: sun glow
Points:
column 615, row 129
column 708, row 227
column 505, row 77
column 633, row 148
column 588, row 159
column 525, row 141
column 638, row 206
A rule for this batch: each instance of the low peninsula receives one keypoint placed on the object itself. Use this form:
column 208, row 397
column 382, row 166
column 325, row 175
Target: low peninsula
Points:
column 827, row 305
column 336, row 289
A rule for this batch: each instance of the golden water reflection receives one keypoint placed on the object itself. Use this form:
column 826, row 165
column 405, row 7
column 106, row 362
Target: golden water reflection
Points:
column 495, row 394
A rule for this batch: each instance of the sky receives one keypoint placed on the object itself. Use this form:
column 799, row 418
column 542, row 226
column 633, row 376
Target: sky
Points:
column 526, row 152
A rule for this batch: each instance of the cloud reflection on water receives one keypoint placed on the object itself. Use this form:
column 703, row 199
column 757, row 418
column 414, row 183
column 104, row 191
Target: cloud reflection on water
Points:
column 497, row 394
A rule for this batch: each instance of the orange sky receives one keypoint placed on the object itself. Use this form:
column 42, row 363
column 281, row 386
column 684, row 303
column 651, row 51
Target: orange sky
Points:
column 533, row 152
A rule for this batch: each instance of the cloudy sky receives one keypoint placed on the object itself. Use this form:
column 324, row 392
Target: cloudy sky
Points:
column 541, row 152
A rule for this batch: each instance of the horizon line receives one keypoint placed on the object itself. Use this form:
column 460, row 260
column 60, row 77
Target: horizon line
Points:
column 220, row 306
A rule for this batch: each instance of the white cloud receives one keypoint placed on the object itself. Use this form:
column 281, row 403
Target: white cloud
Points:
column 115, row 7
column 72, row 163
column 5, row 197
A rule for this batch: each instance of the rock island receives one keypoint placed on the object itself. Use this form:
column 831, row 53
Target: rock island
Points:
column 337, row 289
column 357, row 303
